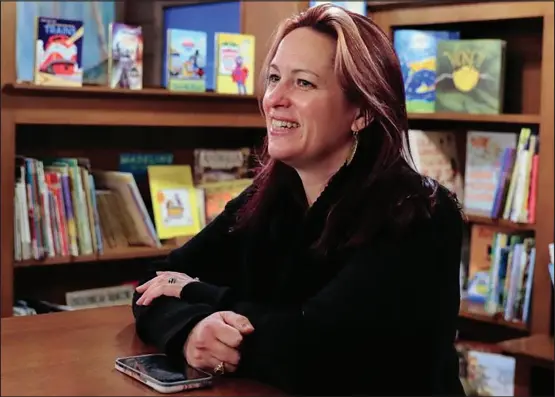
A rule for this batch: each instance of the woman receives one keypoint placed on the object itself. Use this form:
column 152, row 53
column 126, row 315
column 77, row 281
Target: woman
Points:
column 337, row 272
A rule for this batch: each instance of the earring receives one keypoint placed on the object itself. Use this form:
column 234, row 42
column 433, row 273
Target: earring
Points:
column 353, row 148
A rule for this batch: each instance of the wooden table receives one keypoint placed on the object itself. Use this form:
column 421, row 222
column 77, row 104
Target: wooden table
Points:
column 73, row 353
column 529, row 352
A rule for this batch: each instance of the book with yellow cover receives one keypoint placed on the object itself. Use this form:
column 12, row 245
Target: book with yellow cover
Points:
column 217, row 194
column 174, row 200
column 234, row 63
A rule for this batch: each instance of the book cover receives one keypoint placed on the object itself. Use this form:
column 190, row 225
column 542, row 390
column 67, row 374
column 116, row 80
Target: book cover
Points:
column 214, row 165
column 484, row 151
column 58, row 52
column 96, row 17
column 470, row 76
column 235, row 63
column 417, row 50
column 435, row 155
column 125, row 61
column 217, row 195
column 174, row 200
column 186, row 60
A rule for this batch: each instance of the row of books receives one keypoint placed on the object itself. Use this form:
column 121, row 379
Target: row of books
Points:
column 443, row 73
column 59, row 53
column 500, row 174
column 500, row 272
column 65, row 208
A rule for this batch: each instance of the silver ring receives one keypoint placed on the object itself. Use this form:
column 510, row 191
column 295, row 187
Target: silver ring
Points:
column 171, row 280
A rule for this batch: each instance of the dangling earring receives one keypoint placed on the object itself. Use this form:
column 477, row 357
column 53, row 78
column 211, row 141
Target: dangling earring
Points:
column 353, row 148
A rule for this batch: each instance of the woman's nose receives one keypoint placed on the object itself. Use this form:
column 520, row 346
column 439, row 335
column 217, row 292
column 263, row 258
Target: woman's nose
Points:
column 279, row 96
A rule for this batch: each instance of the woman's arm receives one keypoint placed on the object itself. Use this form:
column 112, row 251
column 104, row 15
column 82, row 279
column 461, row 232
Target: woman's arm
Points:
column 211, row 255
column 385, row 320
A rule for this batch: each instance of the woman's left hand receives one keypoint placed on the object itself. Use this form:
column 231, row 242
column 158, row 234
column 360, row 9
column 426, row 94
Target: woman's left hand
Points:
column 165, row 283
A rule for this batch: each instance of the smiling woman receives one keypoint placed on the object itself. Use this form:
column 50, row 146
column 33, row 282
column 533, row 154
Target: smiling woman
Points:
column 307, row 280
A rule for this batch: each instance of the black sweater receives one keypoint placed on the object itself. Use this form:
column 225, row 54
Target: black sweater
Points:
column 377, row 319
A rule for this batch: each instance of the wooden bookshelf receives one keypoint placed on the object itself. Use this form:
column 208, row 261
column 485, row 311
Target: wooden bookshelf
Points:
column 475, row 311
column 478, row 118
column 99, row 123
column 528, row 29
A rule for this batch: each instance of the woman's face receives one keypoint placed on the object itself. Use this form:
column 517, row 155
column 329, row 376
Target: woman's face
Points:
column 308, row 117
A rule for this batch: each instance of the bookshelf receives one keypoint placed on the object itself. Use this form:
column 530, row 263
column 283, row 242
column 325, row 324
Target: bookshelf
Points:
column 99, row 123
column 528, row 29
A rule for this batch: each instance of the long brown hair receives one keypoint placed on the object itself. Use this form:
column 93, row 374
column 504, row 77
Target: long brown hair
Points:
column 370, row 76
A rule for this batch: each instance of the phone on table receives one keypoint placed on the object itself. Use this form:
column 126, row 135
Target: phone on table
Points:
column 159, row 373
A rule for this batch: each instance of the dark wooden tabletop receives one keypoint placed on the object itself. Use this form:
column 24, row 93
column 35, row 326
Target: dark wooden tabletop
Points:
column 73, row 353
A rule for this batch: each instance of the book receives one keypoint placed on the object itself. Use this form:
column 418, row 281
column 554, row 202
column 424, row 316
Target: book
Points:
column 58, row 52
column 417, row 51
column 470, row 76
column 125, row 58
column 435, row 155
column 484, row 152
column 235, row 63
column 174, row 200
column 217, row 195
column 96, row 17
column 186, row 60
column 214, row 165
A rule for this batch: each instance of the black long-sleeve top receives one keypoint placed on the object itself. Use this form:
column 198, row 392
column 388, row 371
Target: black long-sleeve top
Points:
column 376, row 319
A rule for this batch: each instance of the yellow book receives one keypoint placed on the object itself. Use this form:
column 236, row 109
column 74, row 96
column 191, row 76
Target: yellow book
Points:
column 235, row 63
column 174, row 200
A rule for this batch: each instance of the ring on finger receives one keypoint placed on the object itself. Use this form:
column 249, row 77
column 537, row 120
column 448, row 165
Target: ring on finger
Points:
column 171, row 280
column 220, row 369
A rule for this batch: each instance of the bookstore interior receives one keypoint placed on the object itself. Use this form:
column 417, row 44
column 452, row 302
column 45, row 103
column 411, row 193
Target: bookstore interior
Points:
column 127, row 128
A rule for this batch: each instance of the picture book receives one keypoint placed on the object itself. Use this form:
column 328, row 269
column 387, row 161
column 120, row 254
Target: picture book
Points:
column 125, row 61
column 484, row 151
column 217, row 194
column 235, row 63
column 354, row 6
column 58, row 52
column 137, row 163
column 435, row 155
column 490, row 374
column 214, row 165
column 186, row 60
column 470, row 76
column 416, row 50
column 174, row 201
column 210, row 17
column 96, row 17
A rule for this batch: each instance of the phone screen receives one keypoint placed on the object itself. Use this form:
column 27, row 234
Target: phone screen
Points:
column 159, row 367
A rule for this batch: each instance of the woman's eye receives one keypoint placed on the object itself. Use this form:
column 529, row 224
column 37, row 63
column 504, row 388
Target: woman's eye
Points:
column 305, row 83
column 273, row 78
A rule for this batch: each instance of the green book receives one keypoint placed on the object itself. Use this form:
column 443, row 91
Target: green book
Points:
column 470, row 76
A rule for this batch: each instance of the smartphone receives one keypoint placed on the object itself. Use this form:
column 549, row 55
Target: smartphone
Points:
column 160, row 374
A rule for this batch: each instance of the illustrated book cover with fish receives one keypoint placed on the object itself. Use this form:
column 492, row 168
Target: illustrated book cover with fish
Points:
column 416, row 50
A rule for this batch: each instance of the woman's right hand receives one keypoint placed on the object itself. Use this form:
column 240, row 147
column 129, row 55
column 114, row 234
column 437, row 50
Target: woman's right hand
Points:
column 215, row 340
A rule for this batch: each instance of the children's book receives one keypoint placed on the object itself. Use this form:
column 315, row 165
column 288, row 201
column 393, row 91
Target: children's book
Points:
column 470, row 76
column 417, row 53
column 235, row 63
column 186, row 60
column 125, row 59
column 58, row 52
column 174, row 200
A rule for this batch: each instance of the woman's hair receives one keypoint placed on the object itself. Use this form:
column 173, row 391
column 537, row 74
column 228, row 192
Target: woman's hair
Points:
column 370, row 76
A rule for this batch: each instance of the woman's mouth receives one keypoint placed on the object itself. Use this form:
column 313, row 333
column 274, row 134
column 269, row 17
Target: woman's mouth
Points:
column 281, row 127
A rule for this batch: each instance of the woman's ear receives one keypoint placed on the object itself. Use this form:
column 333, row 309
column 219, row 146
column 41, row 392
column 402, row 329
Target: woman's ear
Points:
column 362, row 121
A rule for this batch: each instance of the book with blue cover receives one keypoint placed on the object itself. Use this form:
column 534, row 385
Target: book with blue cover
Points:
column 417, row 53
